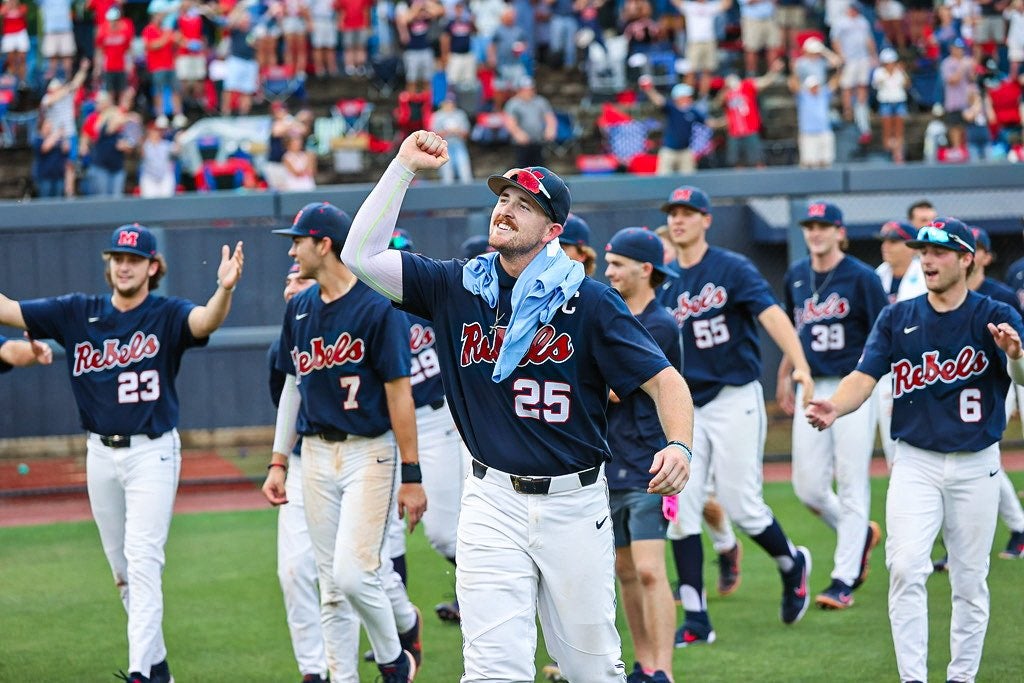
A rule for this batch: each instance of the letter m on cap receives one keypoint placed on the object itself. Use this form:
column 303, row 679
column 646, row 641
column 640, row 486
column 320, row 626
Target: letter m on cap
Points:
column 128, row 238
column 816, row 210
column 682, row 195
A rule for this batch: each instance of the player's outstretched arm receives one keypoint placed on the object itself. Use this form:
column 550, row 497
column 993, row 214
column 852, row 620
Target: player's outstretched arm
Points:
column 1008, row 339
column 366, row 250
column 782, row 332
column 671, row 466
column 10, row 313
column 850, row 394
column 285, row 437
column 203, row 320
column 412, row 501
column 784, row 394
column 21, row 354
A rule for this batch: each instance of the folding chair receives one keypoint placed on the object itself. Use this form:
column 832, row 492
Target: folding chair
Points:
column 384, row 74
column 413, row 112
column 489, row 129
column 567, row 134
column 279, row 84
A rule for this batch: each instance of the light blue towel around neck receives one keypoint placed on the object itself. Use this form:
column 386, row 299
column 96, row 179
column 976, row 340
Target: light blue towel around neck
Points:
column 551, row 279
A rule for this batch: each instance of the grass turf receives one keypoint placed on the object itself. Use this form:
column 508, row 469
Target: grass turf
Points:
column 61, row 619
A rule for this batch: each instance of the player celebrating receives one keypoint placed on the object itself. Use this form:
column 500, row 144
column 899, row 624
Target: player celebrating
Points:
column 528, row 347
column 21, row 354
column 124, row 352
column 715, row 301
column 833, row 300
column 948, row 354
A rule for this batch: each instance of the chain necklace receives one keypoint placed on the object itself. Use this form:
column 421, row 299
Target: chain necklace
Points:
column 498, row 315
column 816, row 289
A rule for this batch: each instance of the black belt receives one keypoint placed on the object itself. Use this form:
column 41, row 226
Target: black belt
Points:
column 437, row 405
column 332, row 436
column 536, row 485
column 121, row 440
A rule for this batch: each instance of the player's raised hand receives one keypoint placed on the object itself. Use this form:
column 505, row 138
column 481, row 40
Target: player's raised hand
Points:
column 821, row 413
column 803, row 378
column 1007, row 339
column 671, row 471
column 230, row 270
column 412, row 503
column 423, row 149
column 273, row 487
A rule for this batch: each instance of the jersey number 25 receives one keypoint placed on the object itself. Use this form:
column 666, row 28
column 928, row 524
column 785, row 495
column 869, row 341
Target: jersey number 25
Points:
column 549, row 401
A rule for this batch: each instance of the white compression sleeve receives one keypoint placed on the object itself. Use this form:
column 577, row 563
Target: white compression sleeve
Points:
column 287, row 413
column 366, row 250
column 1016, row 370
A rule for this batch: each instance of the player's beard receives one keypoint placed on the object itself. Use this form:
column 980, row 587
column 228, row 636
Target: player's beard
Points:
column 129, row 291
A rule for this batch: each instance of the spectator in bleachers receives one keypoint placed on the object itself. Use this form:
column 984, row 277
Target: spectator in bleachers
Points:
column 113, row 43
column 957, row 71
column 934, row 136
column 743, row 116
column 505, row 56
column 354, row 20
column 52, row 151
column 791, row 16
column 590, row 28
column 815, row 60
column 701, row 40
column 966, row 16
column 452, row 124
column 564, row 26
column 890, row 82
column 919, row 17
column 14, row 42
column 1014, row 15
column 190, row 61
column 487, row 17
column 58, row 107
column 241, row 76
column 816, row 141
column 457, row 52
column 107, row 174
column 156, row 163
column 323, row 37
column 854, row 42
column 991, row 27
column 759, row 30
column 295, row 26
column 891, row 15
column 639, row 26
column 675, row 154
column 414, row 22
column 299, row 164
column 530, row 122
column 160, row 42
column 58, row 46
column 265, row 30
column 977, row 118
column 955, row 151
column 938, row 39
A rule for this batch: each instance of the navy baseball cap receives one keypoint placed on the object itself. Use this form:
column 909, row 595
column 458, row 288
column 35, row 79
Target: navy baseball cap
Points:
column 293, row 269
column 547, row 190
column 945, row 232
column 822, row 212
column 688, row 195
column 132, row 239
column 319, row 219
column 400, row 240
column 640, row 244
column 575, row 231
column 897, row 230
column 474, row 246
column 981, row 238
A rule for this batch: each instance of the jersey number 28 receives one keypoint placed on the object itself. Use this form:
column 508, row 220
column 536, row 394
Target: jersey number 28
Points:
column 133, row 387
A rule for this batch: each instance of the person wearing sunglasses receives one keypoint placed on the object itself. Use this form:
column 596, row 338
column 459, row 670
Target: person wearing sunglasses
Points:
column 952, row 354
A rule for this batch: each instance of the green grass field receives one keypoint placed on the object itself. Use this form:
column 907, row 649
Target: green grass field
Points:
column 60, row 618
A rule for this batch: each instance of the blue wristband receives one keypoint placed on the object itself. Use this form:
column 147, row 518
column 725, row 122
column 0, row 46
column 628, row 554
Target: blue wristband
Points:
column 686, row 449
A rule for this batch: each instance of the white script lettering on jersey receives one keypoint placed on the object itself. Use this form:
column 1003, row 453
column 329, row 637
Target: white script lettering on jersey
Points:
column 834, row 307
column 908, row 378
column 547, row 345
column 420, row 337
column 345, row 349
column 113, row 355
column 711, row 296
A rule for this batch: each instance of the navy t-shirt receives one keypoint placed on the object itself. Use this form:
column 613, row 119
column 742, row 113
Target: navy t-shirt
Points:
column 123, row 364
column 425, row 377
column 634, row 430
column 715, row 302
column 50, row 164
column 460, row 31
column 342, row 353
column 548, row 417
column 419, row 32
column 679, row 126
column 833, row 312
column 949, row 376
column 4, row 367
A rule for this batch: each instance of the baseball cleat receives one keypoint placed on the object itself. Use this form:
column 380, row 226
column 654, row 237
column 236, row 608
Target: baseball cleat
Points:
column 659, row 676
column 402, row 670
column 1015, row 548
column 412, row 639
column 313, row 678
column 941, row 564
column 160, row 673
column 837, row 596
column 552, row 673
column 449, row 611
column 696, row 630
column 133, row 677
column 874, row 536
column 795, row 597
column 638, row 675
column 729, row 570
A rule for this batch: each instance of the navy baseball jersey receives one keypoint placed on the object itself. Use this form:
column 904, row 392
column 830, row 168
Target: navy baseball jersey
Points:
column 342, row 353
column 634, row 430
column 949, row 376
column 1015, row 279
column 425, row 377
column 4, row 367
column 994, row 289
column 548, row 417
column 833, row 312
column 123, row 364
column 715, row 303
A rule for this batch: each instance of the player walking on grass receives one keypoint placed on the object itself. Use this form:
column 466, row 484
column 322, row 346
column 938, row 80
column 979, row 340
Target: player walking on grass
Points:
column 833, row 300
column 528, row 347
column 952, row 354
column 346, row 353
column 123, row 352
column 715, row 300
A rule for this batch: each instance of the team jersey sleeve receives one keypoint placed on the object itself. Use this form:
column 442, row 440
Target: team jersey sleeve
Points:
column 624, row 350
column 750, row 288
column 45, row 318
column 391, row 358
column 4, row 367
column 877, row 357
column 787, row 293
column 283, row 360
column 181, row 310
column 424, row 284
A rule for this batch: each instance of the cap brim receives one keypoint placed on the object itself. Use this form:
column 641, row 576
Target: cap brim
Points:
column 668, row 206
column 666, row 271
column 498, row 184
column 128, row 250
column 818, row 221
column 290, row 232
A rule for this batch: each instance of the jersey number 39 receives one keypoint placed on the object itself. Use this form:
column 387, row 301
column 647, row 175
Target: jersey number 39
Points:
column 133, row 387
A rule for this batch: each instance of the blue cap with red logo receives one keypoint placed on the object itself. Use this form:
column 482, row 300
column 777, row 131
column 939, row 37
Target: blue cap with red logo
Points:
column 945, row 232
column 400, row 240
column 640, row 244
column 822, row 212
column 132, row 239
column 981, row 238
column 690, row 196
column 544, row 187
column 897, row 230
column 319, row 219
column 293, row 269
column 575, row 231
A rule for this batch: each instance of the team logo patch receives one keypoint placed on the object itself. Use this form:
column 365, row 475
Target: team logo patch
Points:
column 420, row 337
column 112, row 354
column 547, row 345
column 834, row 307
column 128, row 238
column 320, row 356
column 816, row 211
column 907, row 377
column 681, row 195
column 711, row 296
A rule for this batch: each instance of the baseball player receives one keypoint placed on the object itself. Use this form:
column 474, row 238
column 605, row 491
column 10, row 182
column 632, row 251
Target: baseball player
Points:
column 635, row 270
column 19, row 353
column 575, row 241
column 833, row 300
column 346, row 353
column 715, row 301
column 123, row 352
column 528, row 347
column 949, row 353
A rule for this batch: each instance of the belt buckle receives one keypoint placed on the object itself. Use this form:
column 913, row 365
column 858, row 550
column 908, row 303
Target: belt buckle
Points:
column 521, row 483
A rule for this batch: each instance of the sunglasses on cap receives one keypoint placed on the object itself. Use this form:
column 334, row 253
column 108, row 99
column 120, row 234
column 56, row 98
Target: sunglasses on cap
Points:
column 513, row 174
column 937, row 235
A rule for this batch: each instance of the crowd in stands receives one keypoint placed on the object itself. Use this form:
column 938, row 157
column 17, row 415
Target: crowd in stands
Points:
column 115, row 79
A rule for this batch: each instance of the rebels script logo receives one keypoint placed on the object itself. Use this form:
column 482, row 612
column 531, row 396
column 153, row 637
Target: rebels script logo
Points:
column 834, row 307
column 345, row 349
column 113, row 355
column 420, row 337
column 547, row 345
column 710, row 297
column 908, row 378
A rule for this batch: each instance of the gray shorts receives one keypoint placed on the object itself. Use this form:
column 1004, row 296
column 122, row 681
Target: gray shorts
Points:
column 419, row 65
column 748, row 147
column 636, row 516
column 355, row 39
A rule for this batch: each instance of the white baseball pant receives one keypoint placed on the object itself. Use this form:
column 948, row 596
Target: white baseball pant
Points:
column 723, row 539
column 959, row 494
column 844, row 453
column 521, row 555
column 131, row 492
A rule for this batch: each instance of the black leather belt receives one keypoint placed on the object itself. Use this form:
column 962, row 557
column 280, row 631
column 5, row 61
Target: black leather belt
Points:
column 536, row 485
column 122, row 440
column 437, row 405
column 332, row 437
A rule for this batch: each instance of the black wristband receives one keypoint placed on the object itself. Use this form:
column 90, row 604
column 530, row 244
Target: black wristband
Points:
column 686, row 449
column 411, row 473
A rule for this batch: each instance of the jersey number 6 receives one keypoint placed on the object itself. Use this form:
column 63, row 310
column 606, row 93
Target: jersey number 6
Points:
column 555, row 400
